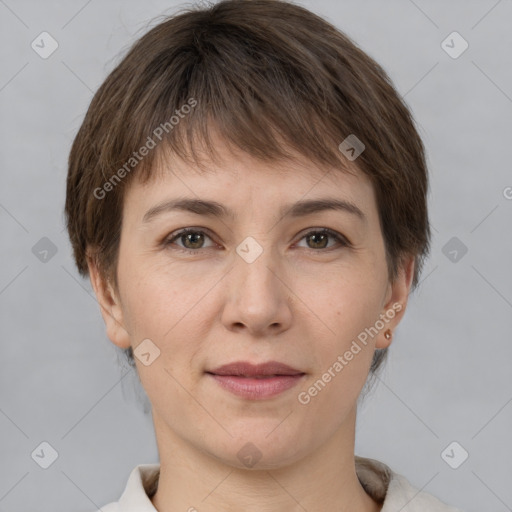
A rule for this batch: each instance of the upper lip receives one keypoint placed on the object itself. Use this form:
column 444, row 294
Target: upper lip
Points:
column 246, row 369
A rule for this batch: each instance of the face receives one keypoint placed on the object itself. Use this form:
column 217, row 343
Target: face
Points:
column 266, row 281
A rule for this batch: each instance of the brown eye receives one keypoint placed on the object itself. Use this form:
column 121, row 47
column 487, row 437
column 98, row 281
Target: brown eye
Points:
column 319, row 239
column 192, row 240
column 195, row 240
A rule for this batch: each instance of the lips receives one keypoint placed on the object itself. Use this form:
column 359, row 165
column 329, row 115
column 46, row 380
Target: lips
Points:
column 263, row 370
column 256, row 381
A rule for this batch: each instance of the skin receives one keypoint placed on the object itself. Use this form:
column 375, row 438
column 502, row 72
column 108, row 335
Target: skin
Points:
column 302, row 302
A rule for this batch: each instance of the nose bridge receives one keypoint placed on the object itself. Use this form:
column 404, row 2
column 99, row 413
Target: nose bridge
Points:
column 257, row 297
column 255, row 258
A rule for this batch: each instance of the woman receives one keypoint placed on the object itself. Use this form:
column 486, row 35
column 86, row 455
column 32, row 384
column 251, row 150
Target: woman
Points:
column 247, row 194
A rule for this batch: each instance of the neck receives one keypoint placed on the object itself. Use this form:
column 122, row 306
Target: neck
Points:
column 324, row 480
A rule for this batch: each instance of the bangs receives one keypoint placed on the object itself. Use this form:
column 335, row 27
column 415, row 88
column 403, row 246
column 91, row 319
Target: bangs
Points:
column 228, row 81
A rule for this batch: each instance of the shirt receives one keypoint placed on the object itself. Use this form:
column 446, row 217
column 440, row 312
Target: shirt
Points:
column 378, row 480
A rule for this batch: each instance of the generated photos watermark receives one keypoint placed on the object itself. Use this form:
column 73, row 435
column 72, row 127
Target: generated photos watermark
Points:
column 304, row 397
column 151, row 143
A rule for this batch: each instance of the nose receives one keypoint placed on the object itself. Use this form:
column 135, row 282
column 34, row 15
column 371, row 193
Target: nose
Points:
column 258, row 297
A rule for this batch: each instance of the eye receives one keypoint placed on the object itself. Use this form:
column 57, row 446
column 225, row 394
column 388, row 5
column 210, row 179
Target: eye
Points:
column 193, row 239
column 319, row 238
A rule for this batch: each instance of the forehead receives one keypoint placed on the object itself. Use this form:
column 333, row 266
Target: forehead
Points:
column 240, row 180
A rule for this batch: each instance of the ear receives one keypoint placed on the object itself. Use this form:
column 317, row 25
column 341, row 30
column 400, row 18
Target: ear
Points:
column 110, row 305
column 395, row 302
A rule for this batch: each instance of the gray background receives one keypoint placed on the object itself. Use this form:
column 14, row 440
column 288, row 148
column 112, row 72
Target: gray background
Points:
column 448, row 377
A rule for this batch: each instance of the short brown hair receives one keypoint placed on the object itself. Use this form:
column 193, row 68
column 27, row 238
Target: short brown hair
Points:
column 268, row 75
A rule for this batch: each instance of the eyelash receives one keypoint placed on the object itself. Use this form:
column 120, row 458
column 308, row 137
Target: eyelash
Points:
column 323, row 231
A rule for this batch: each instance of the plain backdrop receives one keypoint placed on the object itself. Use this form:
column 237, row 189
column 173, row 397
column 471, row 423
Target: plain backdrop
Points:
column 448, row 378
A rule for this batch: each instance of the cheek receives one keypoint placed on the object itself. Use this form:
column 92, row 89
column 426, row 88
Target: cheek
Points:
column 347, row 307
column 343, row 352
column 164, row 303
column 352, row 296
column 150, row 287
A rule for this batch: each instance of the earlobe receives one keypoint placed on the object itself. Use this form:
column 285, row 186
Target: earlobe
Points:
column 388, row 336
column 384, row 339
column 110, row 306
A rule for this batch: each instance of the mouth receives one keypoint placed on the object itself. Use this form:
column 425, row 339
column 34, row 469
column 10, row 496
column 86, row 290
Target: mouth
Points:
column 256, row 382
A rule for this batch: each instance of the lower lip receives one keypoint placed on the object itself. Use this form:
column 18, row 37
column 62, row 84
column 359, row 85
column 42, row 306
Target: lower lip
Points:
column 257, row 389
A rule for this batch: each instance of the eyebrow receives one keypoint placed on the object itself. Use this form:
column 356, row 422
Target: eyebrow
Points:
column 215, row 209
